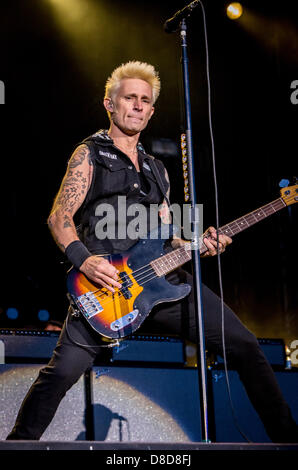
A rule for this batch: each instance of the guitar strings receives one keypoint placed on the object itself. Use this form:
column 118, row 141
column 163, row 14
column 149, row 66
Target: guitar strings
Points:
column 133, row 286
column 233, row 227
column 139, row 280
column 140, row 274
column 108, row 297
column 126, row 280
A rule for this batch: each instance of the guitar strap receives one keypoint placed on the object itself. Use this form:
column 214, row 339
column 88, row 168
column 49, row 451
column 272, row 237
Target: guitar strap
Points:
column 185, row 302
column 159, row 180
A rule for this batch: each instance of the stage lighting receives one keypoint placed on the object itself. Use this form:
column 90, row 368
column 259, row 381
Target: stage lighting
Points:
column 12, row 313
column 234, row 10
column 43, row 315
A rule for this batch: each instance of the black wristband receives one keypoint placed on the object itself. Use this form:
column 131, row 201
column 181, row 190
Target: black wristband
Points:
column 77, row 253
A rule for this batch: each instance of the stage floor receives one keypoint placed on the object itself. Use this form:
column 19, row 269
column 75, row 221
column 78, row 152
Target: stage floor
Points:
column 141, row 446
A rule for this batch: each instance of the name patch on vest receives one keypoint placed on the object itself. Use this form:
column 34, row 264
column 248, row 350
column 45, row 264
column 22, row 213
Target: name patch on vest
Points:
column 108, row 154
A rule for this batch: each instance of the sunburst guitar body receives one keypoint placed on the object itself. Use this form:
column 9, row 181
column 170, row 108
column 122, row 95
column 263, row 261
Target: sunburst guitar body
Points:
column 142, row 275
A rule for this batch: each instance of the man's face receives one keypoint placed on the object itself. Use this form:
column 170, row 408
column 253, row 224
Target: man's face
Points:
column 132, row 106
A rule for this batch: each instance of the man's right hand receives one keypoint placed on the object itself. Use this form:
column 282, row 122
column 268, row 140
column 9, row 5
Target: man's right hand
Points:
column 100, row 271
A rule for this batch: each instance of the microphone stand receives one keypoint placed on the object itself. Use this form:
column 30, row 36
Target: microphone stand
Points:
column 195, row 230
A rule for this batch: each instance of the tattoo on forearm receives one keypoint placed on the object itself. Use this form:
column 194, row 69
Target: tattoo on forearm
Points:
column 72, row 192
column 67, row 222
column 74, row 185
column 59, row 244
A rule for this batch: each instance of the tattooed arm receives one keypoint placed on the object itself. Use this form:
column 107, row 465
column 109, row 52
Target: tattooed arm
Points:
column 70, row 197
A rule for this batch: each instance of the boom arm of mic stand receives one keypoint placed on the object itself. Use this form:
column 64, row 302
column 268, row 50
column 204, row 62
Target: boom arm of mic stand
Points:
column 195, row 252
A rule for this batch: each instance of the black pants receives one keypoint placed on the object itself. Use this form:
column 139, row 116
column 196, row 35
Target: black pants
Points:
column 70, row 361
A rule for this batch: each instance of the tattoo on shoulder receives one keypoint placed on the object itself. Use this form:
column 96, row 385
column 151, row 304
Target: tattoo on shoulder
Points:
column 79, row 156
column 74, row 185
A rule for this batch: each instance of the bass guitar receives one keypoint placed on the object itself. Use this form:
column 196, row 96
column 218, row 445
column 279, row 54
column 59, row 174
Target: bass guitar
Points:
column 142, row 271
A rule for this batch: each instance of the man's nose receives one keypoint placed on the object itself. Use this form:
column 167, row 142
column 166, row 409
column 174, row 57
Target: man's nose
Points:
column 138, row 105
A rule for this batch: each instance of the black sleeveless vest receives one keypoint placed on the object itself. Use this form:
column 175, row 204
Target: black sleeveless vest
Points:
column 121, row 204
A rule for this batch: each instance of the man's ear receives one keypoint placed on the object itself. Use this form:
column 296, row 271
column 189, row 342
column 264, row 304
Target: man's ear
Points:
column 152, row 112
column 108, row 104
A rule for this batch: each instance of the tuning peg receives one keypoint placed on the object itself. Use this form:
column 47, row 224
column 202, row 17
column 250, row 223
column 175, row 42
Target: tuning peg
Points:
column 284, row 183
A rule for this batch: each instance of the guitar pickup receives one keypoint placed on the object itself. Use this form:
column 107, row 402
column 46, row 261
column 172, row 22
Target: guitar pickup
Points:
column 126, row 283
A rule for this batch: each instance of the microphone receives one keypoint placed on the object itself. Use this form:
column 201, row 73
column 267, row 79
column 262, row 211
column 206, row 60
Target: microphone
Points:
column 119, row 417
column 172, row 24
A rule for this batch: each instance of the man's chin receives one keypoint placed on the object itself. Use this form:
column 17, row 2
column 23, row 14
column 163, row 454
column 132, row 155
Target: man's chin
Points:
column 131, row 131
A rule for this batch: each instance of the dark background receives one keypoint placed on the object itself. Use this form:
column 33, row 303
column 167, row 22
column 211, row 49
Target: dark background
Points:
column 55, row 58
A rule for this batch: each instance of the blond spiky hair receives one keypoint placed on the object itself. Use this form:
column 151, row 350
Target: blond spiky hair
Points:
column 133, row 69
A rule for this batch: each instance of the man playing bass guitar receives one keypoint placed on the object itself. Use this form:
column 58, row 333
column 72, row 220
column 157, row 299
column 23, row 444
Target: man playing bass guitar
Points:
column 105, row 168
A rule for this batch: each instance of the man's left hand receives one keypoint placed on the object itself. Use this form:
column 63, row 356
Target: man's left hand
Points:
column 210, row 240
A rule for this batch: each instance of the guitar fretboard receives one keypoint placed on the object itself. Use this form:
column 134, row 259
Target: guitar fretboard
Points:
column 252, row 218
column 179, row 256
column 171, row 261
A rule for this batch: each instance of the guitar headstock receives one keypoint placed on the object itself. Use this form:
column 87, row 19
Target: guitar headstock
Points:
column 289, row 194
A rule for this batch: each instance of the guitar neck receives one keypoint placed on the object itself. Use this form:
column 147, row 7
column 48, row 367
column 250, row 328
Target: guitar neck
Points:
column 252, row 218
column 180, row 256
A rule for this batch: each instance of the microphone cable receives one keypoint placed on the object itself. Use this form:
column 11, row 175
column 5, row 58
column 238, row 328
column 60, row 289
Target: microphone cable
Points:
column 217, row 225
